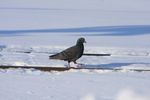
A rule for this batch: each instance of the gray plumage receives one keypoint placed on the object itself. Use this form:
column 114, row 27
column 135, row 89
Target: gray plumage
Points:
column 71, row 54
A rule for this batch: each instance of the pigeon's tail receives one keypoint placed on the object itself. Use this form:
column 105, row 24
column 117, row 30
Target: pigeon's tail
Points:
column 56, row 56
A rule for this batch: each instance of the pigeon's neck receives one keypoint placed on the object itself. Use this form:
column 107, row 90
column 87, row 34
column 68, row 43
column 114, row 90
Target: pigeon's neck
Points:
column 79, row 44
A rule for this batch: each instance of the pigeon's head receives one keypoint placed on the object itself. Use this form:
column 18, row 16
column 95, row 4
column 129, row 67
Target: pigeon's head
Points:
column 81, row 40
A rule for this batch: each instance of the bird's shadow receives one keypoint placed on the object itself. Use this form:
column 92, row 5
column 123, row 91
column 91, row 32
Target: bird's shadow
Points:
column 109, row 65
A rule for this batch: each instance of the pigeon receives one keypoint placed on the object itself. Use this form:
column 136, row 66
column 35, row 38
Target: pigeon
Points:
column 71, row 54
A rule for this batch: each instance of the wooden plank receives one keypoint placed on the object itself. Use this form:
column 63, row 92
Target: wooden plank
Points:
column 43, row 68
column 46, row 68
column 85, row 54
column 92, row 54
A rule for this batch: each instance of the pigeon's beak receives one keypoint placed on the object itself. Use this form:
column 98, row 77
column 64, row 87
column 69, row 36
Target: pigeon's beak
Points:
column 84, row 41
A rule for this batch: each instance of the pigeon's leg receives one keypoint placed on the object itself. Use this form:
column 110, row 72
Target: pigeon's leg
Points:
column 78, row 64
column 69, row 64
column 75, row 62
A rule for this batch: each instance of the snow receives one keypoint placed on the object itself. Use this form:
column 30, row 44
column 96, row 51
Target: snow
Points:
column 31, row 30
column 129, row 94
column 74, row 85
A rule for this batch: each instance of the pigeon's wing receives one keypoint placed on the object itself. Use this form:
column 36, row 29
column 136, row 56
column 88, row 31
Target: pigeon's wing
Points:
column 67, row 54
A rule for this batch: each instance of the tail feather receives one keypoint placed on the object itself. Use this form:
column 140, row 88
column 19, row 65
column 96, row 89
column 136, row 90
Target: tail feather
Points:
column 56, row 56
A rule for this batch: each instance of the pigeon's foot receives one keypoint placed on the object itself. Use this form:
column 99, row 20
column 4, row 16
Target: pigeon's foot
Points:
column 72, row 65
column 75, row 65
column 67, row 66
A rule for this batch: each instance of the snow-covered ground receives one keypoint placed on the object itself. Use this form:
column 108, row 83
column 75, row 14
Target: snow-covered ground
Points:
column 31, row 30
column 73, row 85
